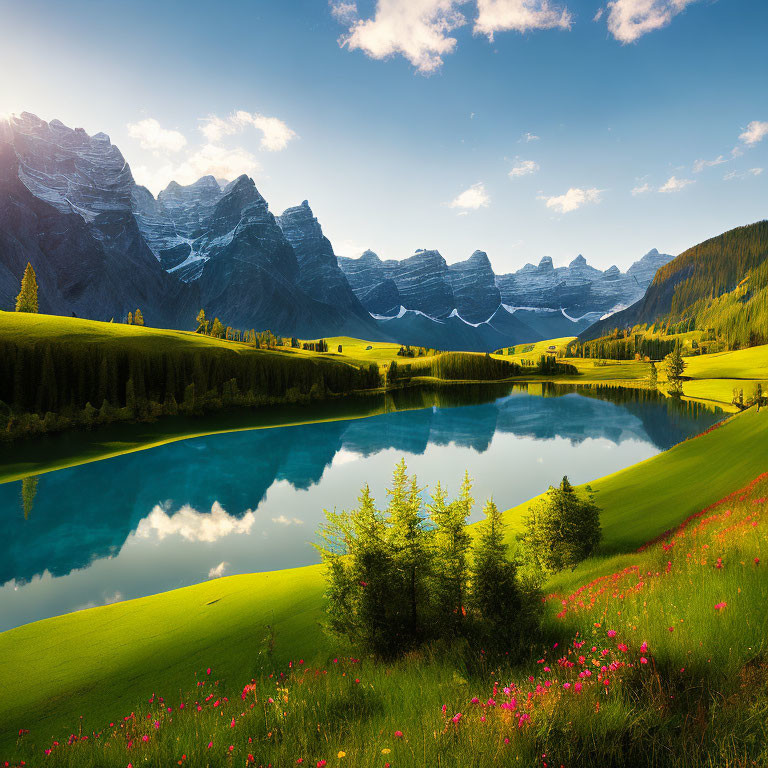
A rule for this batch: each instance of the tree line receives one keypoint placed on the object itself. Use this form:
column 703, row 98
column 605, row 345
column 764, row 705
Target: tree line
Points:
column 412, row 573
column 622, row 345
column 50, row 385
column 470, row 366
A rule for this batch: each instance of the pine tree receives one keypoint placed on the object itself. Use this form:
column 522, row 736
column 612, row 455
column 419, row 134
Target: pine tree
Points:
column 674, row 367
column 495, row 593
column 138, row 318
column 409, row 555
column 26, row 301
column 217, row 329
column 129, row 319
column 561, row 529
column 451, row 546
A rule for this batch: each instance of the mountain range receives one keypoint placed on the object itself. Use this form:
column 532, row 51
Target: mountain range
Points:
column 102, row 246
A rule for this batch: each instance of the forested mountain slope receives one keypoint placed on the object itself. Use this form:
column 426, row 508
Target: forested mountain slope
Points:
column 720, row 285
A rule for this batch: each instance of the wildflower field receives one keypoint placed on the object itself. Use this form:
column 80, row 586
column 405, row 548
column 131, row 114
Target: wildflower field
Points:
column 658, row 659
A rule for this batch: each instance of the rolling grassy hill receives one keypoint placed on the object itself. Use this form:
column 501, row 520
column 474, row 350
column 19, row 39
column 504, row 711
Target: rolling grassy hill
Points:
column 98, row 663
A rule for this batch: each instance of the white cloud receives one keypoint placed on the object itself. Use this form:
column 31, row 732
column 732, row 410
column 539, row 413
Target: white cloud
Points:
column 345, row 12
column 275, row 134
column 599, row 14
column 283, row 520
column 641, row 189
column 527, row 136
column 628, row 20
column 742, row 174
column 523, row 168
column 193, row 525
column 756, row 131
column 218, row 570
column 218, row 161
column 419, row 30
column 519, row 16
column 471, row 199
column 152, row 135
column 700, row 165
column 574, row 198
column 673, row 184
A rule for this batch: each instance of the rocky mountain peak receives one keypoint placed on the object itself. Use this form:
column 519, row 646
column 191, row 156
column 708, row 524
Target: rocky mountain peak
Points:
column 480, row 257
column 546, row 264
column 579, row 261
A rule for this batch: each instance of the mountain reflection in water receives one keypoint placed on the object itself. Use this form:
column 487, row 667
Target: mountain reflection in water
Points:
column 246, row 501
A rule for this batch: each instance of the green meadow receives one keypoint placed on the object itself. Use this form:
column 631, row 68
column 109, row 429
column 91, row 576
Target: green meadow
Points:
column 100, row 662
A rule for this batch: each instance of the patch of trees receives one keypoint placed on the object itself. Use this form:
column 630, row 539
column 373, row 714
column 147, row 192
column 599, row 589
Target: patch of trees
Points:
column 321, row 345
column 471, row 366
column 410, row 573
column 622, row 345
column 409, row 351
column 47, row 386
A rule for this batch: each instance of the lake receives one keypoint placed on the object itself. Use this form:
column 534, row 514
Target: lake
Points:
column 239, row 502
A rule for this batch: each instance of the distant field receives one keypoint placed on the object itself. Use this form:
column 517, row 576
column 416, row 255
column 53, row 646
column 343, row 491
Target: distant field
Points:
column 380, row 352
column 536, row 349
column 610, row 369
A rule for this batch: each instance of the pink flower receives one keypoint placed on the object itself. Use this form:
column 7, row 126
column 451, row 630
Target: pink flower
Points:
column 577, row 687
column 210, row 744
column 231, row 747
column 208, row 671
column 611, row 633
column 145, row 738
column 643, row 660
column 644, row 647
column 720, row 606
column 455, row 719
column 321, row 763
column 398, row 734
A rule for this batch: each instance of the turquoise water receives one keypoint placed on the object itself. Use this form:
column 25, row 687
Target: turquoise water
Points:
column 240, row 502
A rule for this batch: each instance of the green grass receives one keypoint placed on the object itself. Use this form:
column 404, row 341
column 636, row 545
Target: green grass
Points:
column 750, row 363
column 96, row 662
column 661, row 662
column 535, row 350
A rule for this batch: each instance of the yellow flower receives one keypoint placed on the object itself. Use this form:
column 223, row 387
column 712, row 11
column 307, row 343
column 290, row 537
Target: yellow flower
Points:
column 385, row 751
column 342, row 754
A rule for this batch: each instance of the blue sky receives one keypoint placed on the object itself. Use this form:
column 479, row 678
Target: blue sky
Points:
column 408, row 123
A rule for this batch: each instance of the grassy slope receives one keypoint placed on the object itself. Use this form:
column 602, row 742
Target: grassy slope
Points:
column 78, row 331
column 536, row 349
column 95, row 663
